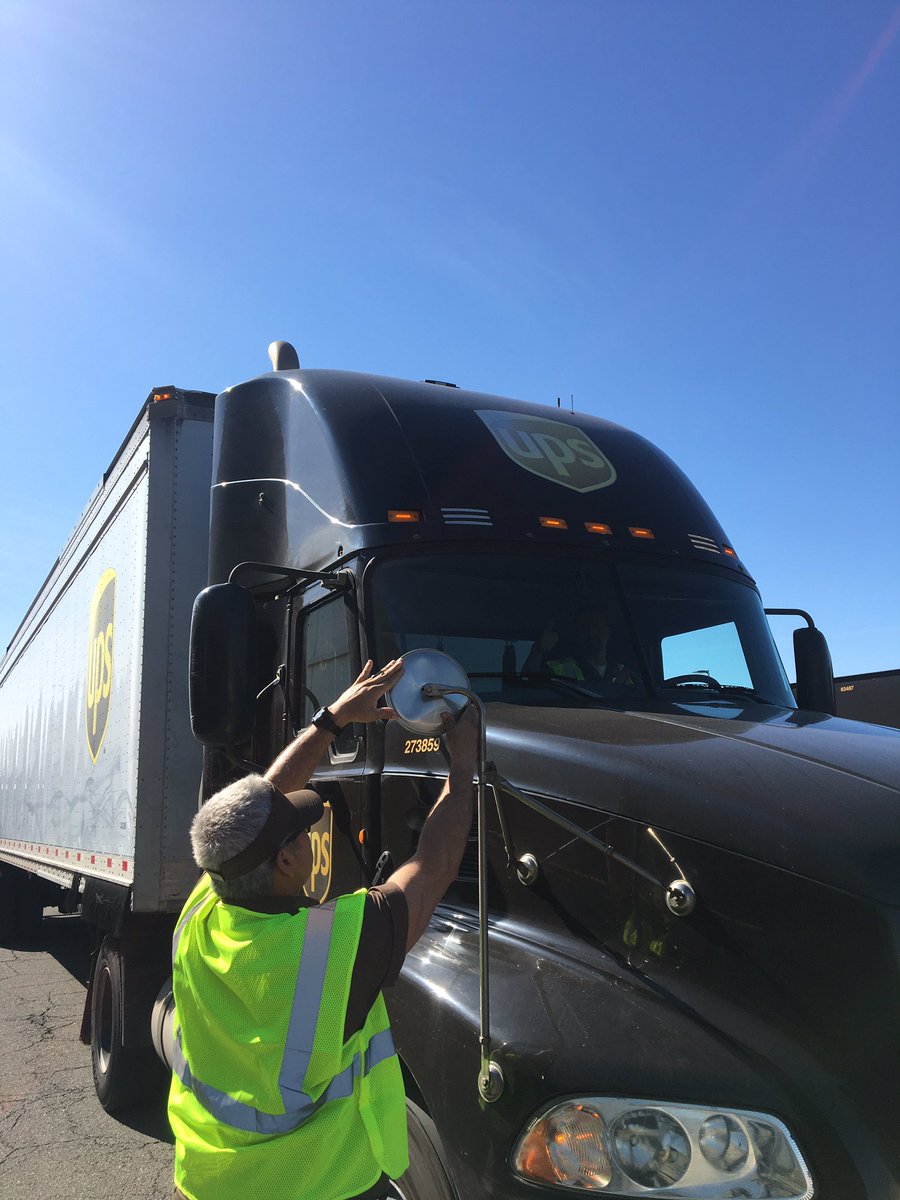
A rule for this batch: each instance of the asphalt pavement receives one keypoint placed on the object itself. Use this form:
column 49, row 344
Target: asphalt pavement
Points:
column 56, row 1142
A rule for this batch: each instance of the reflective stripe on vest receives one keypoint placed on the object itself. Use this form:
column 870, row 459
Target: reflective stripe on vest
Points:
column 304, row 1015
column 251, row 1120
column 298, row 1105
column 176, row 936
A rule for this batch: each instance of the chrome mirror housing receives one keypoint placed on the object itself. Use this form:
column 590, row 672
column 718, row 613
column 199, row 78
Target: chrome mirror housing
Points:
column 432, row 683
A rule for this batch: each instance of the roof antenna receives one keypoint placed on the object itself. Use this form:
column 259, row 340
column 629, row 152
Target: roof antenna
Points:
column 557, row 401
column 283, row 357
column 572, row 401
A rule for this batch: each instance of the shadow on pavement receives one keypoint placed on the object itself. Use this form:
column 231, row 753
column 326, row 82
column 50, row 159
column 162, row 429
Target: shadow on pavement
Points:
column 65, row 938
column 68, row 940
column 150, row 1119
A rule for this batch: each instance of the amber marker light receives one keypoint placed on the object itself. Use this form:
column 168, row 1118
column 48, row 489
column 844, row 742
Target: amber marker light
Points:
column 157, row 396
column 728, row 550
column 553, row 523
column 566, row 1147
column 597, row 527
column 404, row 516
column 639, row 531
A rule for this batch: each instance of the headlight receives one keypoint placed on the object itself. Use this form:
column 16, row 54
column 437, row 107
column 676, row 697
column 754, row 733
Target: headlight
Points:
column 635, row 1148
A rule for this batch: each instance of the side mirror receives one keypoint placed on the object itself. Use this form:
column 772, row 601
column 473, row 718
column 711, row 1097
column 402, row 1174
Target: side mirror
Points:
column 815, row 675
column 418, row 696
column 222, row 662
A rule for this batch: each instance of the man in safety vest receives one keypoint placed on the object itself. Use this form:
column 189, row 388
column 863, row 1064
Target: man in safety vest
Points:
column 286, row 1085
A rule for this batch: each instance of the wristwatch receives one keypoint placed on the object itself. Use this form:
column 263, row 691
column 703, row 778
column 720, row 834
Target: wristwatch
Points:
column 324, row 719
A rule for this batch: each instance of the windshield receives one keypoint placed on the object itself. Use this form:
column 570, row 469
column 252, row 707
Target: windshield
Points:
column 539, row 629
column 535, row 629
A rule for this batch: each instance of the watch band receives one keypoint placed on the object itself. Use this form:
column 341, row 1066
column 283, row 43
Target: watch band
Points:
column 324, row 719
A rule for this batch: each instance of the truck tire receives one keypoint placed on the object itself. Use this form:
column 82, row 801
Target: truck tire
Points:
column 125, row 1077
column 426, row 1178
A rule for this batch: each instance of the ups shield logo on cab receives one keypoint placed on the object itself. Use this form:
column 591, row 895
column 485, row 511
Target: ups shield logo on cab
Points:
column 100, row 662
column 561, row 453
column 318, row 885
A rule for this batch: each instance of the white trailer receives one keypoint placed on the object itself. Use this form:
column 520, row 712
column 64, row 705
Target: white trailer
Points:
column 99, row 771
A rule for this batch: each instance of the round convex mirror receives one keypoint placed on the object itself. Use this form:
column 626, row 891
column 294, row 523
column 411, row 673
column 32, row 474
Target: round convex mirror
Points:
column 420, row 713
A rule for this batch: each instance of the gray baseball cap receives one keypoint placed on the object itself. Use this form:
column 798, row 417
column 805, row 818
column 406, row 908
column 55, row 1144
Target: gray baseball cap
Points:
column 288, row 816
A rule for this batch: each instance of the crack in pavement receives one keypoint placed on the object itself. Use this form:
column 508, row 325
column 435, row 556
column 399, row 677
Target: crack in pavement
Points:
column 56, row 1141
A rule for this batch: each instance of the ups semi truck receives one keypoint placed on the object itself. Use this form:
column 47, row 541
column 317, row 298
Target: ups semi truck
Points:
column 669, row 965
column 686, row 983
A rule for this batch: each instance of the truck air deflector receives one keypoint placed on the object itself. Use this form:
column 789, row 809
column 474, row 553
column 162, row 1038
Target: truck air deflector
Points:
column 334, row 452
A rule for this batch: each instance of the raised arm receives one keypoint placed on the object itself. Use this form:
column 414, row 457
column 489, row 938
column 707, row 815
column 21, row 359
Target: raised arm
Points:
column 293, row 767
column 425, row 877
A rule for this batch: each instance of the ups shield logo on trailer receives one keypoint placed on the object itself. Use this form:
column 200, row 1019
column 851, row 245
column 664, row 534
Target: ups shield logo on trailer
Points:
column 561, row 453
column 318, row 885
column 100, row 662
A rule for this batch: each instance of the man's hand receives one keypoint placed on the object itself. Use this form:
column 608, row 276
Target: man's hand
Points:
column 360, row 701
column 461, row 738
column 297, row 761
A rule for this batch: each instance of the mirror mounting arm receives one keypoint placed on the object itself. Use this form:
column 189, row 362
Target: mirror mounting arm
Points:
column 680, row 896
column 335, row 581
column 490, row 1074
column 791, row 612
column 246, row 764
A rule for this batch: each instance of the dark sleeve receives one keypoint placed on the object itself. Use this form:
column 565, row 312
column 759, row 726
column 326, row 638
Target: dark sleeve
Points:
column 382, row 949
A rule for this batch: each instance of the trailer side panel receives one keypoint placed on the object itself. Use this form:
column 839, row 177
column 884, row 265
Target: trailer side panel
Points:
column 99, row 773
column 69, row 700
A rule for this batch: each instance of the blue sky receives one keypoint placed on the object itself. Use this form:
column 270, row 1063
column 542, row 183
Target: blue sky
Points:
column 683, row 213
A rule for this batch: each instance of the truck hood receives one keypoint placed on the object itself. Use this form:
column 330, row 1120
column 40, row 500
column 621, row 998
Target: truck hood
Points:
column 813, row 795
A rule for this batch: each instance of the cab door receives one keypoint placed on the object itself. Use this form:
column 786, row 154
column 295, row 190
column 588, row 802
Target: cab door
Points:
column 328, row 660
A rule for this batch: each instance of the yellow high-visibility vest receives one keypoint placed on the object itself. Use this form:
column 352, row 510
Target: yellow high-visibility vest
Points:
column 568, row 668
column 267, row 1099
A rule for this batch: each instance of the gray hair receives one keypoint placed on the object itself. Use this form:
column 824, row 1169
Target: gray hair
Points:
column 227, row 824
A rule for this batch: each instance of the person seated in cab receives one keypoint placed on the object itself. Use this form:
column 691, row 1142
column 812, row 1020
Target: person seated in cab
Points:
column 583, row 656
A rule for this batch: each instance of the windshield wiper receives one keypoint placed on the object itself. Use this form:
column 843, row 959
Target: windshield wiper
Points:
column 699, row 692
column 746, row 692
column 539, row 679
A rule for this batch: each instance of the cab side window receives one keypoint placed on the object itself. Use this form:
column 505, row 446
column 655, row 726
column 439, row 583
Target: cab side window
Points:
column 327, row 664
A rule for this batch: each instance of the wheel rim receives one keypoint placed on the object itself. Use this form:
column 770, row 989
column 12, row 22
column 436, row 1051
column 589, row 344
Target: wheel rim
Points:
column 103, row 1039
